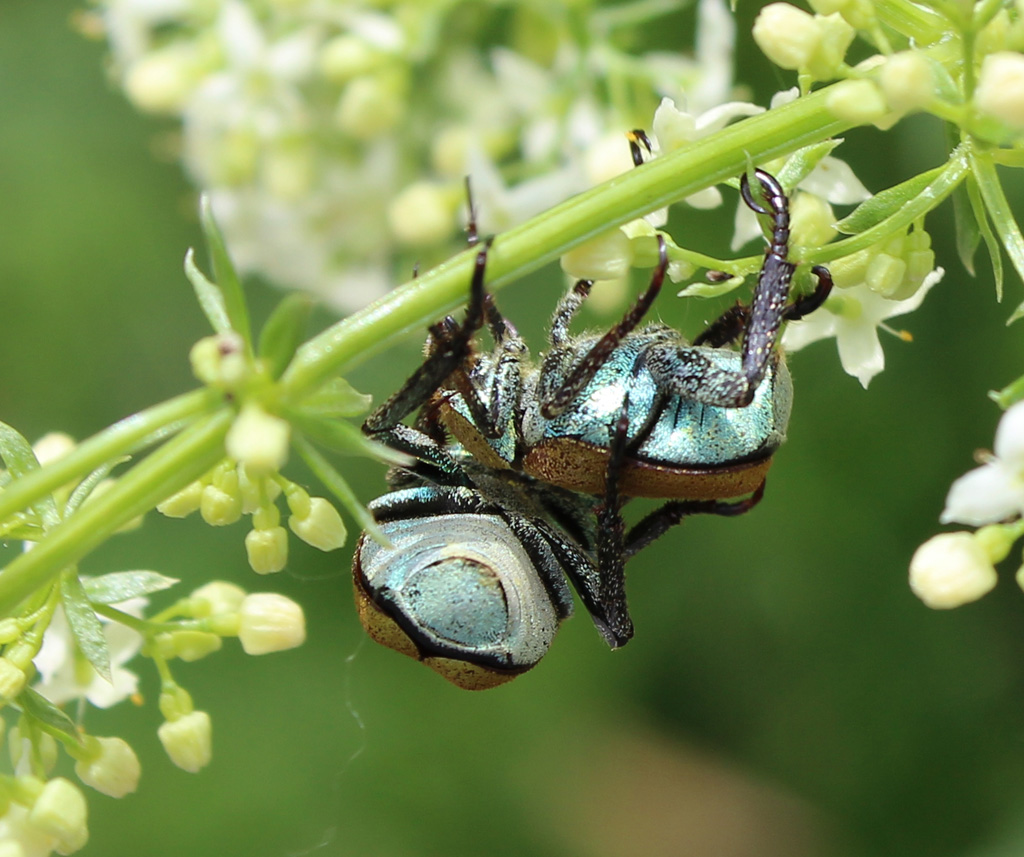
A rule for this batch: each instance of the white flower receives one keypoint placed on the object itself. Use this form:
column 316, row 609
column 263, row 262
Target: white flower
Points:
column 951, row 569
column 853, row 317
column 64, row 673
column 19, row 837
column 995, row 490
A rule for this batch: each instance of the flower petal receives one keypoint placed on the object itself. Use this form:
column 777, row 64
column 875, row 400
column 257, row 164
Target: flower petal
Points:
column 984, row 495
column 1009, row 445
column 860, row 352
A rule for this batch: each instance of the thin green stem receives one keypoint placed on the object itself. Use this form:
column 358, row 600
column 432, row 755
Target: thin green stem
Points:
column 117, row 440
column 166, row 470
column 544, row 238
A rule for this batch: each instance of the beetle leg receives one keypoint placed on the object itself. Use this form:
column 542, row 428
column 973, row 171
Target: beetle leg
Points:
column 556, row 401
column 672, row 513
column 450, row 348
column 689, row 373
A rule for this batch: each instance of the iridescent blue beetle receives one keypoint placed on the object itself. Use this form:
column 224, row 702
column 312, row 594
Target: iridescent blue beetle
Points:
column 522, row 470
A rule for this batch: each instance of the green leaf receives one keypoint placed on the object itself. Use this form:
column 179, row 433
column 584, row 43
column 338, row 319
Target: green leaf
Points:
column 701, row 289
column 336, row 484
column 284, row 332
column 119, row 586
column 998, row 208
column 884, row 204
column 803, row 161
column 343, row 437
column 225, row 275
column 88, row 485
column 211, row 299
column 19, row 459
column 985, row 229
column 49, row 716
column 84, row 623
column 968, row 233
column 336, row 398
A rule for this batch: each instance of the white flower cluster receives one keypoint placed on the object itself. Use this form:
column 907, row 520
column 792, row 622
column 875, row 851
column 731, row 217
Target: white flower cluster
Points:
column 312, row 123
column 955, row 568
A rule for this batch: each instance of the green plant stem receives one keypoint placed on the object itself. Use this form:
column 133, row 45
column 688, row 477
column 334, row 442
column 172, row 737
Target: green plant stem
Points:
column 111, row 443
column 544, row 238
column 170, row 468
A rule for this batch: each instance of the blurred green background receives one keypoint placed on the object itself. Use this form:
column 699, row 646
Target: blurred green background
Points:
column 785, row 693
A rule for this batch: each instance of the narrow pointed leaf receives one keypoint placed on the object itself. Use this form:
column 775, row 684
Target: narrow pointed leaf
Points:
column 803, row 161
column 19, row 459
column 886, row 203
column 341, row 436
column 88, row 485
column 211, row 299
column 968, row 233
column 85, row 624
column 119, row 586
column 336, row 484
column 49, row 716
column 999, row 209
column 985, row 228
column 336, row 398
column 284, row 332
column 225, row 275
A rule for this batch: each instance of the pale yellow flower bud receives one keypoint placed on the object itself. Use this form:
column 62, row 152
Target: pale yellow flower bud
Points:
column 219, row 508
column 1000, row 90
column 188, row 741
column 885, row 274
column 347, row 56
column 113, row 769
column 813, row 222
column 370, row 106
column 422, row 214
column 267, row 549
column 160, row 82
column 606, row 257
column 219, row 597
column 321, row 526
column 907, row 81
column 187, row 645
column 788, row 36
column 219, row 360
column 184, row 503
column 270, row 623
column 60, row 812
column 12, row 679
column 51, row 446
column 856, row 101
column 259, row 441
column 951, row 569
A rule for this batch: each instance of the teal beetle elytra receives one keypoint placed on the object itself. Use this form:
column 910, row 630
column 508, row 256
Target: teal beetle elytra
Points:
column 521, row 469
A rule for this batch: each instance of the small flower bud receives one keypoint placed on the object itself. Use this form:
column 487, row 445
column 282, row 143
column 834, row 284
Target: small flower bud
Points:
column 856, row 101
column 188, row 741
column 788, row 36
column 187, row 645
column 1000, row 90
column 422, row 214
column 907, row 81
column 160, row 82
column 605, row 257
column 12, row 679
column 951, row 569
column 219, row 360
column 321, row 527
column 885, row 274
column 270, row 623
column 259, row 441
column 60, row 812
column 112, row 767
column 347, row 56
column 267, row 549
column 51, row 446
column 217, row 597
column 219, row 508
column 836, row 36
column 370, row 106
column 184, row 503
column 813, row 223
